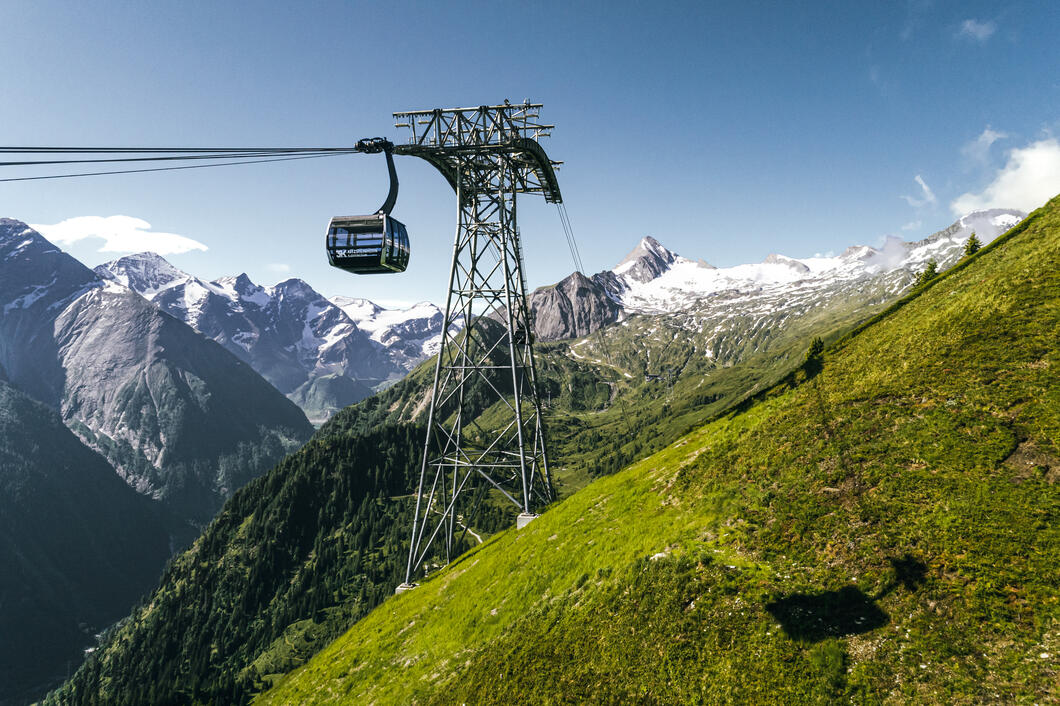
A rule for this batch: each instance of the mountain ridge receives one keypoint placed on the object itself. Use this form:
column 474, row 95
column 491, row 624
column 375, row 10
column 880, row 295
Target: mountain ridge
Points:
column 322, row 354
column 165, row 406
column 654, row 280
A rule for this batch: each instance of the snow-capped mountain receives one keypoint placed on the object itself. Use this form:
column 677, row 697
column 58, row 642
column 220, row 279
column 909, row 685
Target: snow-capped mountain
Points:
column 324, row 355
column 410, row 335
column 683, row 283
column 287, row 332
column 655, row 281
column 179, row 418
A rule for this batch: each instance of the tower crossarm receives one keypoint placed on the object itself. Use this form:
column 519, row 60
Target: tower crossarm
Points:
column 445, row 137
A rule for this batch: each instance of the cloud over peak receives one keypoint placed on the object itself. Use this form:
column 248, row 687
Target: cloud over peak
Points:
column 1029, row 179
column 120, row 234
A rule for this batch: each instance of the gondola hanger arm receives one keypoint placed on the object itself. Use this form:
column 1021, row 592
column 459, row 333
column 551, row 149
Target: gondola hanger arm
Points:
column 373, row 145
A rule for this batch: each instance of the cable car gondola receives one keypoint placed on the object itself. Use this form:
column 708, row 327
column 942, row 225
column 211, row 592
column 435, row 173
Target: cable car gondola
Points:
column 373, row 244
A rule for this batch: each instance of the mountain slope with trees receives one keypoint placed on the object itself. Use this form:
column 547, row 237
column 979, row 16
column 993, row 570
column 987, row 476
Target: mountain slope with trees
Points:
column 77, row 546
column 882, row 526
column 293, row 559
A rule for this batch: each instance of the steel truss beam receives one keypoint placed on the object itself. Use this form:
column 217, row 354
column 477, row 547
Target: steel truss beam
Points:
column 487, row 156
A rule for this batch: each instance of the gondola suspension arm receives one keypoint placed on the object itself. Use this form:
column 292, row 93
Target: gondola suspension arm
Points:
column 380, row 144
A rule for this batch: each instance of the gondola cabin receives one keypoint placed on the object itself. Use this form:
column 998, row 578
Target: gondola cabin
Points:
column 367, row 245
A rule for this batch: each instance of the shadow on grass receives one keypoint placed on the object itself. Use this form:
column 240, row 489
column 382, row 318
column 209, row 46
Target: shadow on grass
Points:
column 812, row 617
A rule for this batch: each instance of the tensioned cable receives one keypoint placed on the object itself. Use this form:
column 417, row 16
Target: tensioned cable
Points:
column 172, row 158
column 216, row 156
column 186, row 166
column 164, row 150
column 568, row 231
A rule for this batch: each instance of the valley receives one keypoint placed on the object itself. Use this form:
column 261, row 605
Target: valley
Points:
column 290, row 579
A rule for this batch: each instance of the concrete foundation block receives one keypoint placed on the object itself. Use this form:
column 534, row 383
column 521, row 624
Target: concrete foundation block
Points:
column 524, row 519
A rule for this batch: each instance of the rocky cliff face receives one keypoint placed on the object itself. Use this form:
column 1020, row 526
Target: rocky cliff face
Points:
column 573, row 308
column 308, row 347
column 179, row 418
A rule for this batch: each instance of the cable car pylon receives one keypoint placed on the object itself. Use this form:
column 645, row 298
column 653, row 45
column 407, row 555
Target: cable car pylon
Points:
column 489, row 155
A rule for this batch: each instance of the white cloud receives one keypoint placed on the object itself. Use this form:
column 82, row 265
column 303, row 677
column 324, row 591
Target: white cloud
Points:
column 912, row 225
column 979, row 31
column 928, row 196
column 1029, row 179
column 889, row 255
column 119, row 234
column 280, row 267
column 979, row 148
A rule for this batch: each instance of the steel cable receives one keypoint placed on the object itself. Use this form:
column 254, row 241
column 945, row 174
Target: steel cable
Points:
column 186, row 166
column 572, row 244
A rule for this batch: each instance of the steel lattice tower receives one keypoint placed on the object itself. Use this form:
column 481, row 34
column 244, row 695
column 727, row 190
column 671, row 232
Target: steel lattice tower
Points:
column 489, row 155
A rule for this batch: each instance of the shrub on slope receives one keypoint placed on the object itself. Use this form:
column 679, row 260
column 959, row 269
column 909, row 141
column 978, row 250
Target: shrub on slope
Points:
column 884, row 530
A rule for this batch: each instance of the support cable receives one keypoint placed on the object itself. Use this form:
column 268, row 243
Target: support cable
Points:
column 169, row 158
column 165, row 150
column 572, row 243
column 186, row 166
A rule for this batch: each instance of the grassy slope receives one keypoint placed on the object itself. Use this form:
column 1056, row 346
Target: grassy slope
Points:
column 887, row 530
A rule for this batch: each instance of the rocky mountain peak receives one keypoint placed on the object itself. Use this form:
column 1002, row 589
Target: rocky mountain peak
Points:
column 34, row 274
column 646, row 261
column 575, row 306
column 145, row 272
column 989, row 223
column 247, row 289
column 243, row 282
column 19, row 240
column 357, row 308
column 776, row 259
column 11, row 228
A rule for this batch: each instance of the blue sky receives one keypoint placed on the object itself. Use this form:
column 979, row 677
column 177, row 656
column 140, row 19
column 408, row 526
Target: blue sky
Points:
column 728, row 131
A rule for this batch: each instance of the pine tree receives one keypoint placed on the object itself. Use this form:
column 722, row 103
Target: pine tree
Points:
column 931, row 271
column 972, row 245
column 814, row 358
